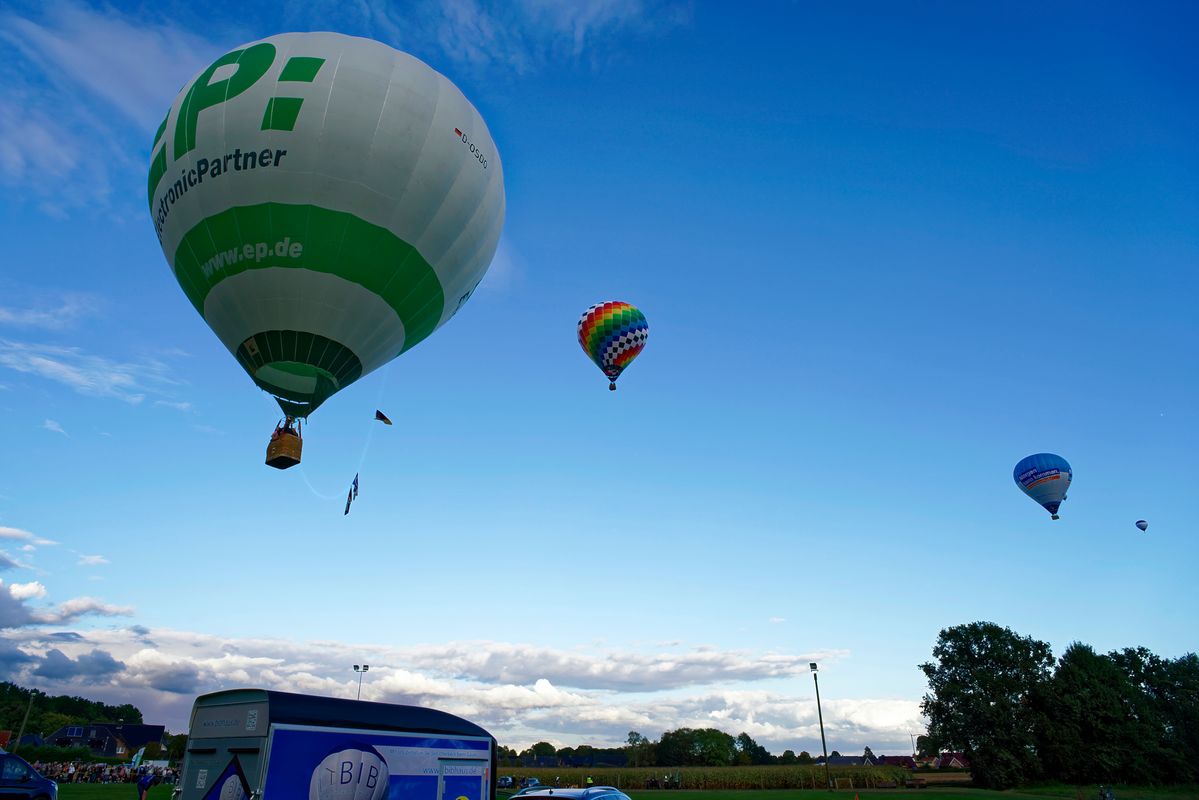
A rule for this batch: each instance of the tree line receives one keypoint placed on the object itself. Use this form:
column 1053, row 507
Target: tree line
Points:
column 1128, row 716
column 48, row 713
column 685, row 747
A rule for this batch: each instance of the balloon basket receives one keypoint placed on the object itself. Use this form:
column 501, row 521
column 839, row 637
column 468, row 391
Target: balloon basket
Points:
column 1054, row 516
column 284, row 450
column 612, row 386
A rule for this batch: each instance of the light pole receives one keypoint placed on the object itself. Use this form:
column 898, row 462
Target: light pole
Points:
column 820, row 715
column 28, row 708
column 361, row 670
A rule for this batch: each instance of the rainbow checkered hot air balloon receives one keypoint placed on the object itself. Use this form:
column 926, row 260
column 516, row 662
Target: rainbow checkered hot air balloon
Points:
column 612, row 334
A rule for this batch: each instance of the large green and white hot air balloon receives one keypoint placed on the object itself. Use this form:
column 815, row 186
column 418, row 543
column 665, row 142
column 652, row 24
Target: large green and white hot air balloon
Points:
column 326, row 202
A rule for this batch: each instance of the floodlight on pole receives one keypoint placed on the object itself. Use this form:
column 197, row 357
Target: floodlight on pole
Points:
column 820, row 715
column 361, row 670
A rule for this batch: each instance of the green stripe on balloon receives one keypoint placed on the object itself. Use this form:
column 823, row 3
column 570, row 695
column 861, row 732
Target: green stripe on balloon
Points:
column 333, row 242
column 329, row 365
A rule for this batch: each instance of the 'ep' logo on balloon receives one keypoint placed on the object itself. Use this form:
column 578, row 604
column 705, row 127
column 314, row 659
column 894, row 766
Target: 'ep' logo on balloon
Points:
column 349, row 774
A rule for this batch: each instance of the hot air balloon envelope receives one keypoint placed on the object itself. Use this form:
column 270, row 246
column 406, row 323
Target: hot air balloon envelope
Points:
column 325, row 202
column 350, row 774
column 612, row 334
column 1142, row 524
column 1044, row 477
column 232, row 789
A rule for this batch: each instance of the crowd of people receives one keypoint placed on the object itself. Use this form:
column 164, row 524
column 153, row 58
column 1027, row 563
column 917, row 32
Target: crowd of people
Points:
column 84, row 772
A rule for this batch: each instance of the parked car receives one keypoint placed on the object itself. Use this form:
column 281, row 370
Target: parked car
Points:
column 590, row 793
column 21, row 781
column 529, row 783
column 504, row 782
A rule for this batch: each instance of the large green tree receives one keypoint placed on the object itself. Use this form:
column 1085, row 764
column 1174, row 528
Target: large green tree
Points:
column 541, row 750
column 980, row 685
column 1094, row 725
column 926, row 747
column 750, row 752
column 640, row 750
column 1169, row 692
column 177, row 744
column 705, row 747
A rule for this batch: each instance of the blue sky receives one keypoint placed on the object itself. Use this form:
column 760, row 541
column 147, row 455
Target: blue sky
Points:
column 883, row 256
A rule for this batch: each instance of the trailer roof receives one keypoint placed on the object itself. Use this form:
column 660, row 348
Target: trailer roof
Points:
column 335, row 712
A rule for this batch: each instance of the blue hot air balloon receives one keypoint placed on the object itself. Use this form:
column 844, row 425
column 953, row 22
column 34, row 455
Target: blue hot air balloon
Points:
column 1142, row 524
column 1044, row 477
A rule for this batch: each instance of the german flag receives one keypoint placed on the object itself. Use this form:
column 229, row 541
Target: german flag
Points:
column 381, row 417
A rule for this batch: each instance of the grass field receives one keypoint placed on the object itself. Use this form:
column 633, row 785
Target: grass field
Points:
column 931, row 793
column 126, row 791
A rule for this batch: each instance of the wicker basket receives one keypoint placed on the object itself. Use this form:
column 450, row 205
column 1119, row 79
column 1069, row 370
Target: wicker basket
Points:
column 284, row 450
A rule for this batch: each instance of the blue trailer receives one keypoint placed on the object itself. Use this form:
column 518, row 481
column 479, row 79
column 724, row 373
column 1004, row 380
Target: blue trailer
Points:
column 254, row 744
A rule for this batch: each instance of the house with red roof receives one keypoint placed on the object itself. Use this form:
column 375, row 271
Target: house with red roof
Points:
column 952, row 761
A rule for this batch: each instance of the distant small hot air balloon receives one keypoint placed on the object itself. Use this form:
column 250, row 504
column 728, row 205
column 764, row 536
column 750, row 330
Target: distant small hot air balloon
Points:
column 612, row 334
column 1142, row 524
column 1044, row 477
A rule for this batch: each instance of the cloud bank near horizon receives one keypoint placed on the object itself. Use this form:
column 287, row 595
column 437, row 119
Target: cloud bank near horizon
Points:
column 522, row 693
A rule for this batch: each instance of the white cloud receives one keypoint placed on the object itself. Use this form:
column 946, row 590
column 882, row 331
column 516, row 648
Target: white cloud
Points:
column 129, row 65
column 27, row 591
column 492, row 684
column 87, row 374
column 574, row 24
column 522, row 36
column 31, row 144
column 208, row 429
column 16, row 613
column 64, row 70
column 46, row 159
column 468, row 32
column 174, row 405
column 507, row 267
column 95, row 667
column 78, row 607
column 91, row 561
column 501, row 662
column 777, row 620
column 24, row 536
column 64, row 312
column 82, row 88
column 52, row 425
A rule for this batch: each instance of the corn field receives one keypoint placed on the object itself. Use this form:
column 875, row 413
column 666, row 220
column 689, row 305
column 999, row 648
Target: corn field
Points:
column 765, row 777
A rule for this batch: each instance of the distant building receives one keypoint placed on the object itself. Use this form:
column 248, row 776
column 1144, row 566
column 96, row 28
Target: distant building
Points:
column 907, row 762
column 952, row 761
column 106, row 740
column 847, row 761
